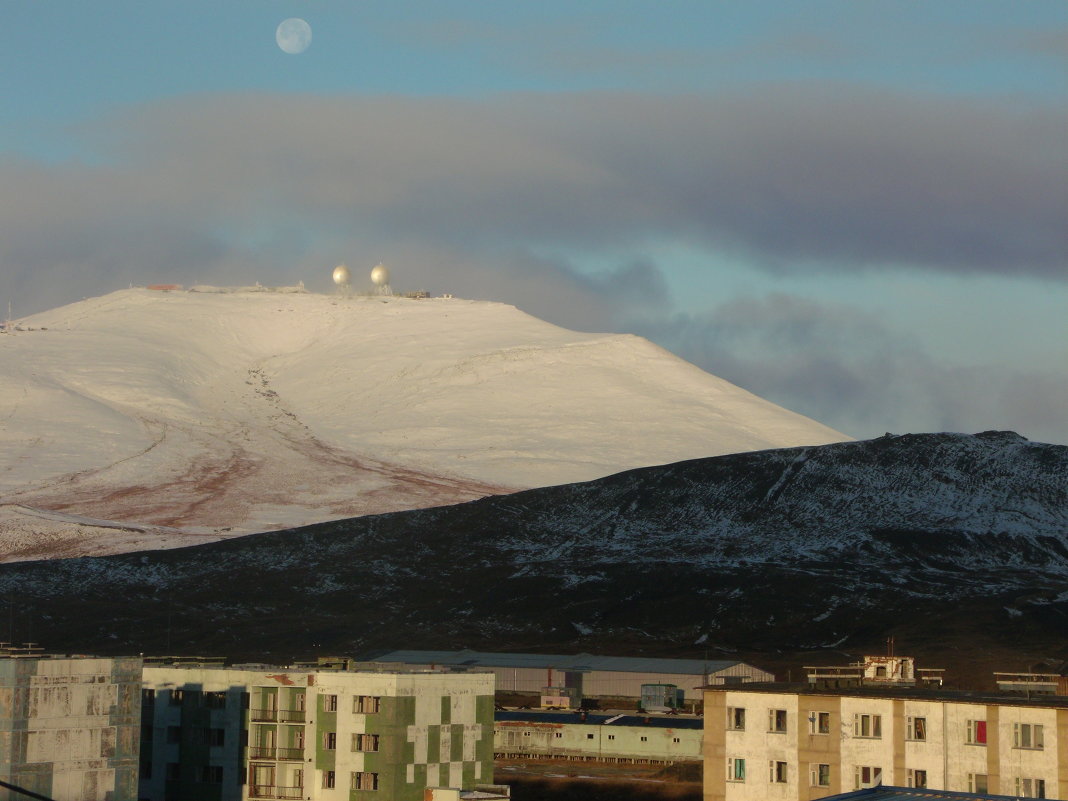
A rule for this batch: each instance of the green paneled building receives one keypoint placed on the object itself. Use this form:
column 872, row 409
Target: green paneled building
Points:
column 222, row 734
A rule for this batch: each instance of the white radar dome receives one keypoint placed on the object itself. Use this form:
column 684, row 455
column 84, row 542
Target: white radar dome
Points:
column 380, row 275
column 341, row 275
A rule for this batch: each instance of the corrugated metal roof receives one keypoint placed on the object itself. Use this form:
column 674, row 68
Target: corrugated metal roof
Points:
column 583, row 662
column 888, row 793
column 574, row 718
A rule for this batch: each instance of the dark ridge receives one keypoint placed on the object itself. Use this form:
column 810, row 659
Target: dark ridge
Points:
column 956, row 545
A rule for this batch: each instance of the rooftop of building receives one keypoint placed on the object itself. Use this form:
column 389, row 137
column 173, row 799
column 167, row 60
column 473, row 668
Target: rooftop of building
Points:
column 916, row 693
column 574, row 662
column 888, row 793
column 32, row 650
column 218, row 663
column 577, row 718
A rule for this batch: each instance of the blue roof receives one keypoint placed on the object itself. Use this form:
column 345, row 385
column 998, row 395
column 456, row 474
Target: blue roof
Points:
column 888, row 793
column 575, row 718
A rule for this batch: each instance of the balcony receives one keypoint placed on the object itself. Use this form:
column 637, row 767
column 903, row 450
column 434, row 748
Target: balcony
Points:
column 272, row 791
column 277, row 715
column 270, row 752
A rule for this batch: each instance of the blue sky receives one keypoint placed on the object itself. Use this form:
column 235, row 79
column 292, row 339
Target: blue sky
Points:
column 854, row 209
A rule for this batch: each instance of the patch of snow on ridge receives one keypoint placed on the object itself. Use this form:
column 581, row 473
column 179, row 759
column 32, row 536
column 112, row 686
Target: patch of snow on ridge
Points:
column 250, row 410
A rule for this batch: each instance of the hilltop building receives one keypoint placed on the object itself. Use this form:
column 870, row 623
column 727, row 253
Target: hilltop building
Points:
column 590, row 676
column 249, row 732
column 69, row 724
column 801, row 741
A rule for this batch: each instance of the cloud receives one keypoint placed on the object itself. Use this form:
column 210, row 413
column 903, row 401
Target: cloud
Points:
column 851, row 372
column 795, row 178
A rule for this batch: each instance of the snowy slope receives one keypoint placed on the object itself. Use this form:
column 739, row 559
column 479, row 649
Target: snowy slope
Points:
column 251, row 410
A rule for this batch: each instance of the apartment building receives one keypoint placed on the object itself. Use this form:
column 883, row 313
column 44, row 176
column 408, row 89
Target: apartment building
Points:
column 258, row 732
column 768, row 742
column 69, row 725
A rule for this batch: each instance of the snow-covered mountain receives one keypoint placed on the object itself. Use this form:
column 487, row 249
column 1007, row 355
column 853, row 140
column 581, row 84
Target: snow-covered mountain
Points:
column 955, row 544
column 153, row 419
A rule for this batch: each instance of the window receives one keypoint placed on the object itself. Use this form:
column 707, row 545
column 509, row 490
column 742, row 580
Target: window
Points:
column 589, row 736
column 645, row 739
column 736, row 718
column 1030, row 788
column 364, row 781
column 977, row 783
column 976, row 734
column 777, row 720
column 777, row 772
column 330, row 740
column 174, row 734
column 819, row 723
column 146, row 770
column 216, row 737
column 330, row 703
column 365, row 742
column 146, row 732
column 916, row 728
column 211, row 774
column 215, row 700
column 329, row 777
column 365, row 704
column 558, row 735
column 176, row 697
column 174, row 771
column 148, row 698
column 820, row 774
column 868, row 726
column 675, row 740
column 1027, row 735
column 866, row 776
column 735, row 770
column 611, row 737
column 917, row 778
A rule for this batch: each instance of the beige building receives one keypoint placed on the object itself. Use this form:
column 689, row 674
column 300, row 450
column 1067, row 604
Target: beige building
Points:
column 770, row 742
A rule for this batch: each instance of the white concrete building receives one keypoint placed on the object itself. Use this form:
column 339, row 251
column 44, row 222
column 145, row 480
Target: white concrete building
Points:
column 777, row 742
column 69, row 725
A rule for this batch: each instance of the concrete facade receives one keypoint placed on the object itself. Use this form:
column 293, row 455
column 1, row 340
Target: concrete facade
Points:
column 69, row 726
column 774, row 743
column 224, row 734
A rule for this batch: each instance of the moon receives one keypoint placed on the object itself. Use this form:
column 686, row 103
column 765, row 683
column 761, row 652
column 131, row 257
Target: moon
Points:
column 293, row 35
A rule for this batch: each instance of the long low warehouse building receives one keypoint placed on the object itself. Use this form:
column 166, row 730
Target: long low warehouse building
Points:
column 594, row 676
column 605, row 738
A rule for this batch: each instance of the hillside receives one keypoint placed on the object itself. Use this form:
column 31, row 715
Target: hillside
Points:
column 154, row 419
column 955, row 544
